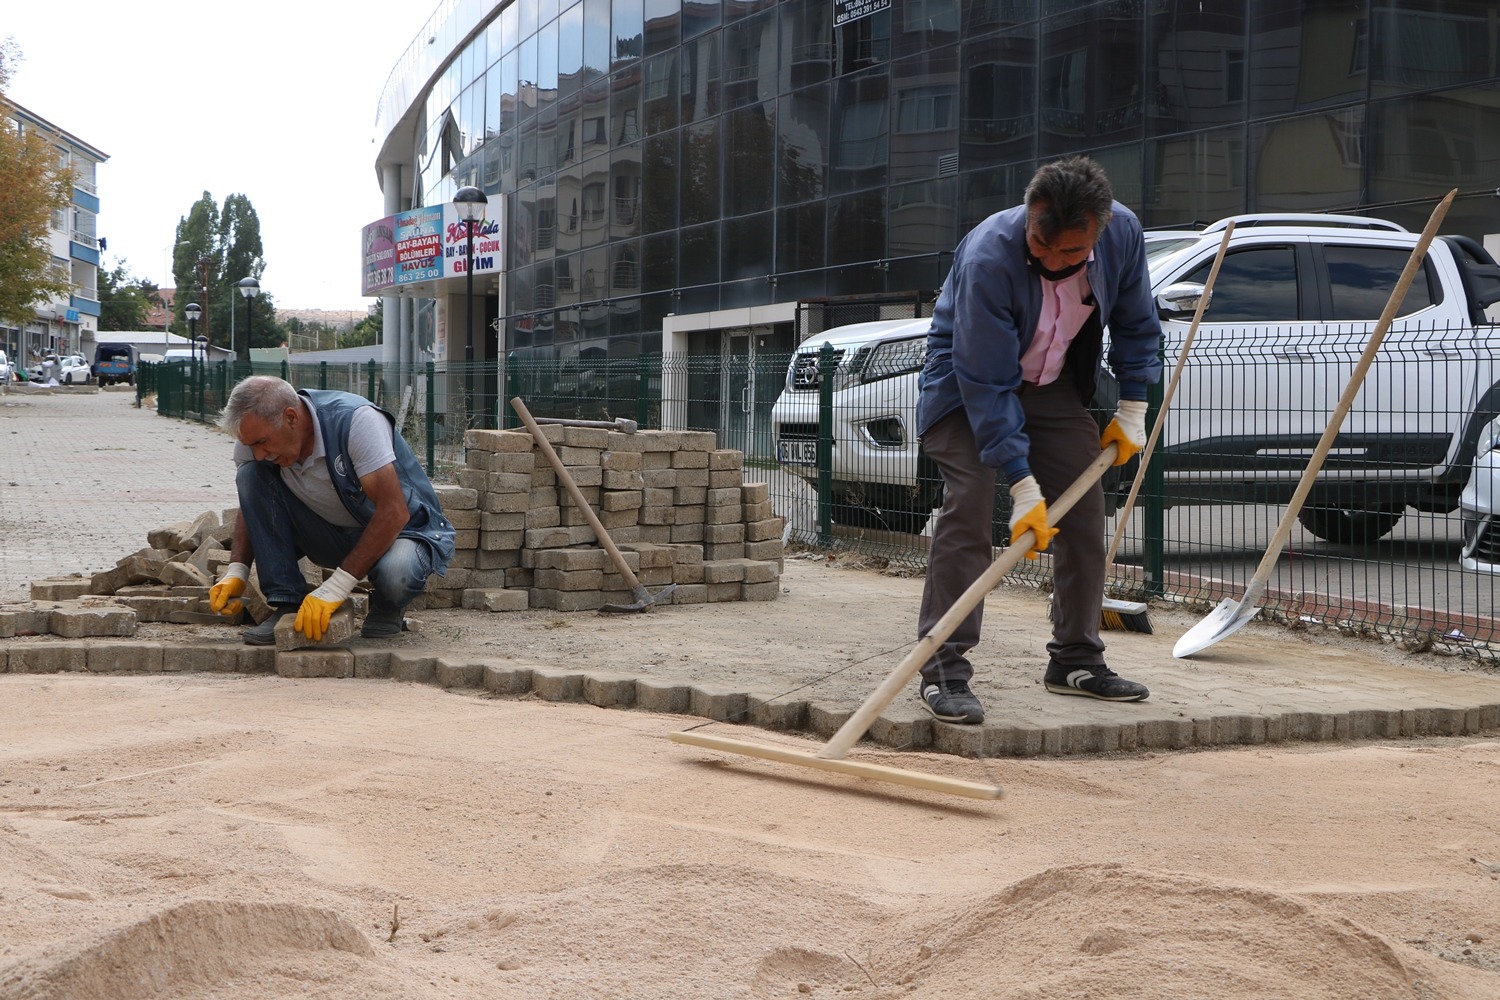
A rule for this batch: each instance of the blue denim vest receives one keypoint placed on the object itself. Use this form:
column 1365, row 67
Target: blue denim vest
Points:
column 426, row 524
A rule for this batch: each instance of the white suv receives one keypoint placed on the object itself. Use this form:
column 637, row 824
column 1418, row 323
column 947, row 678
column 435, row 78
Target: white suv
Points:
column 874, row 457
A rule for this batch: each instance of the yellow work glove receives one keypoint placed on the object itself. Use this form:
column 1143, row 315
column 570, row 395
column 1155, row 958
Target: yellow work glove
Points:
column 318, row 607
column 1127, row 430
column 221, row 596
column 1028, row 512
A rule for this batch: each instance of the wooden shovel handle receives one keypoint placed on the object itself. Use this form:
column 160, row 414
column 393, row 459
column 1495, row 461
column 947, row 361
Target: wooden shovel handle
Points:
column 566, row 478
column 1351, row 389
column 1123, row 518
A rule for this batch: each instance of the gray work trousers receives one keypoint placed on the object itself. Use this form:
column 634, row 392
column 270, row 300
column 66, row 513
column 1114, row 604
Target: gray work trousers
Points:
column 1064, row 440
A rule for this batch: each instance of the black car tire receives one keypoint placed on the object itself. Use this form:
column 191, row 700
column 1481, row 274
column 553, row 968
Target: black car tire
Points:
column 1348, row 527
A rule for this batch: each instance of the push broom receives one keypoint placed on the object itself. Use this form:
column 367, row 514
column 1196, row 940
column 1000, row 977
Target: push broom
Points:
column 831, row 756
column 1132, row 616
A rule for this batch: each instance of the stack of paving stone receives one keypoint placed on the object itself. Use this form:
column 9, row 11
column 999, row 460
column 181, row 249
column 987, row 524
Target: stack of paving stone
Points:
column 168, row 581
column 677, row 506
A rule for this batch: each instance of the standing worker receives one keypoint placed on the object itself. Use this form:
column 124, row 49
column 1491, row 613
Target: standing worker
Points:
column 324, row 474
column 1012, row 359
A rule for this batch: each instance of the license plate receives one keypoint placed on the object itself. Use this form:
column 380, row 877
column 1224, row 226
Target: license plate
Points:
column 797, row 452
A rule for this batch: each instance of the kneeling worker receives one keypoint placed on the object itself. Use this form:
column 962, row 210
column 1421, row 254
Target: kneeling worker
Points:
column 324, row 474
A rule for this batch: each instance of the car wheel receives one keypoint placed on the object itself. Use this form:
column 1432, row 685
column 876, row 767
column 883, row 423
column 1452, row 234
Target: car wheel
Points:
column 1348, row 527
column 882, row 506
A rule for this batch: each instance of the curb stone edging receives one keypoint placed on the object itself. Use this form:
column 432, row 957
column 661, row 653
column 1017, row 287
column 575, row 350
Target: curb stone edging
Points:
column 899, row 727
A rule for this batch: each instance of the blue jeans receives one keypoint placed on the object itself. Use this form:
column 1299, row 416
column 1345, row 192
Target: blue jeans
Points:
column 283, row 529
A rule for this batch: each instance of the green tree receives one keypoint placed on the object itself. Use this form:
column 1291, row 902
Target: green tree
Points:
column 215, row 250
column 31, row 189
column 367, row 331
column 124, row 300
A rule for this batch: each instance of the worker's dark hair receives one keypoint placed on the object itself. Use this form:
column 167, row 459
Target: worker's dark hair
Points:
column 266, row 396
column 1067, row 194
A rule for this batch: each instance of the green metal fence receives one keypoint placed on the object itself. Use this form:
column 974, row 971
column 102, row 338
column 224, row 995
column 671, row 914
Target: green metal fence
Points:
column 1378, row 550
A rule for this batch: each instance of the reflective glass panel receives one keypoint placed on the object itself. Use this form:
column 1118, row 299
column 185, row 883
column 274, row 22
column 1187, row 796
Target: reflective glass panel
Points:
column 1196, row 178
column 627, row 26
column 1196, row 66
column 1422, row 146
column 998, row 114
column 660, row 165
column 659, row 93
column 1090, row 84
column 663, row 26
column 700, row 172
column 749, row 159
column 924, row 137
column 861, row 133
column 1312, row 163
column 1423, row 44
column 1306, row 55
column 802, row 145
column 806, row 43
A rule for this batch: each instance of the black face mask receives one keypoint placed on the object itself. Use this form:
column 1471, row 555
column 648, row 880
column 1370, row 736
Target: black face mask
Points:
column 1066, row 272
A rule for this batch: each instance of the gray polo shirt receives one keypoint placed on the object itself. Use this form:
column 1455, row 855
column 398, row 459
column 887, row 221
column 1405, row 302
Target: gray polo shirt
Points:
column 370, row 447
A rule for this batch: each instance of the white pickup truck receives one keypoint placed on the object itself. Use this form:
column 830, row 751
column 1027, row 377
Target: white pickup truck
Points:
column 1292, row 309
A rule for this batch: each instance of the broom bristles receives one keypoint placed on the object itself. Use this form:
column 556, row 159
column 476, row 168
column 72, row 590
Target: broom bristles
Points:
column 1120, row 616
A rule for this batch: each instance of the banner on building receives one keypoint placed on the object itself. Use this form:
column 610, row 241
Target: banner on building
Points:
column 427, row 244
column 845, row 11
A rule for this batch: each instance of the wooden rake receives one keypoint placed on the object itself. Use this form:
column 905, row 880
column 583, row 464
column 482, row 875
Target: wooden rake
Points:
column 830, row 757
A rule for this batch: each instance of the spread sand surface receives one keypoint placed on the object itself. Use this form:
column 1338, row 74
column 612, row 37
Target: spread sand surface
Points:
column 261, row 838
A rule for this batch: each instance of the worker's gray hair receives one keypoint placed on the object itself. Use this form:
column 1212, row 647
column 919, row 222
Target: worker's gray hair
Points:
column 1067, row 194
column 265, row 396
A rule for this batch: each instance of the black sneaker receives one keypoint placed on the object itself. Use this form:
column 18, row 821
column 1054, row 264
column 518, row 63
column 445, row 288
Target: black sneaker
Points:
column 1093, row 682
column 952, row 701
column 264, row 634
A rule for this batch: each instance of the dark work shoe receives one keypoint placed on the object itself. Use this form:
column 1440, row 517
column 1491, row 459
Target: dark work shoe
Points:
column 952, row 701
column 1093, row 682
column 383, row 624
column 264, row 634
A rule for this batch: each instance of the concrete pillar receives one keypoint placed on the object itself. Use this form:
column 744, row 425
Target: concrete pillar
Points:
column 390, row 330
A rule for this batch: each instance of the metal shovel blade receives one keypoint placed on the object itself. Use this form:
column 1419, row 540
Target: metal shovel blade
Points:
column 643, row 601
column 1225, row 620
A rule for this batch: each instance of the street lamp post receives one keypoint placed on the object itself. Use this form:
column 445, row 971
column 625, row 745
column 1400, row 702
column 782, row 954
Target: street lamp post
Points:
column 471, row 204
column 202, row 371
column 249, row 288
column 192, row 311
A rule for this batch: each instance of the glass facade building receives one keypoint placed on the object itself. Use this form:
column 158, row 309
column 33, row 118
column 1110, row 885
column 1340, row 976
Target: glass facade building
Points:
column 676, row 167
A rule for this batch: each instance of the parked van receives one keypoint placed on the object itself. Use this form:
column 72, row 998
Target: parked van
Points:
column 114, row 363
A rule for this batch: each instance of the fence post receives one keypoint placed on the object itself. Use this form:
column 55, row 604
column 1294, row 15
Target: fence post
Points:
column 507, row 391
column 827, row 367
column 286, row 371
column 642, row 389
column 370, row 395
column 322, row 374
column 431, row 416
column 1154, row 507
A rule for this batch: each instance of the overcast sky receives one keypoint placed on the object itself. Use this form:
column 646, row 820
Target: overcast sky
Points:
column 274, row 100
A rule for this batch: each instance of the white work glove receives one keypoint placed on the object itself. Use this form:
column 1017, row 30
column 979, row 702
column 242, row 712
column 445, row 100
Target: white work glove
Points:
column 1127, row 431
column 222, row 595
column 318, row 607
column 1028, row 512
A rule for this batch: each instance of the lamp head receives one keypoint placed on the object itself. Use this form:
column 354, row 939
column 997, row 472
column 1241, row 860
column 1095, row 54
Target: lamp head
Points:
column 471, row 203
column 192, row 311
column 248, row 287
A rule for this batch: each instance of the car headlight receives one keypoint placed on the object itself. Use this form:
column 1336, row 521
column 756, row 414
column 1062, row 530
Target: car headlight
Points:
column 888, row 360
column 1489, row 439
